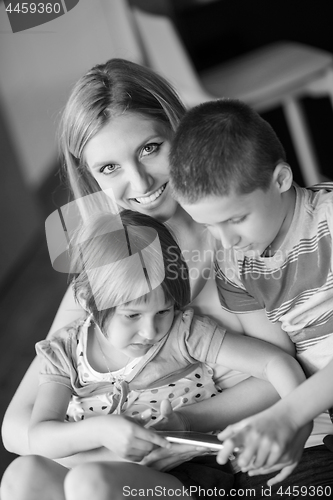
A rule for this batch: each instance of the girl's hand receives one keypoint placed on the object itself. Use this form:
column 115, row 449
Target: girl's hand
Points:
column 169, row 420
column 264, row 440
column 304, row 314
column 126, row 438
column 163, row 459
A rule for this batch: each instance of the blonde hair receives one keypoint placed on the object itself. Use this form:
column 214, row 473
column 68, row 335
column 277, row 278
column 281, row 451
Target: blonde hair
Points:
column 121, row 258
column 108, row 89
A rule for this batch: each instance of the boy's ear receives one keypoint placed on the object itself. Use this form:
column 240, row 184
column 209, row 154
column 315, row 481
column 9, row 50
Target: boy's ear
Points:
column 283, row 176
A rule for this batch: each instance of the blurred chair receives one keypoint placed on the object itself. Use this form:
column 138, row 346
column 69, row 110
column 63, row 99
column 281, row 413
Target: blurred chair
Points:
column 277, row 74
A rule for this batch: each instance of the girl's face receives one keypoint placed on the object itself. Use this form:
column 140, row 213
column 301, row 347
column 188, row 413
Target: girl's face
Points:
column 130, row 156
column 134, row 328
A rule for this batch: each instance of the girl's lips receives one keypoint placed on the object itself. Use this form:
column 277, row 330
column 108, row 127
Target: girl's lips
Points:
column 141, row 346
column 149, row 200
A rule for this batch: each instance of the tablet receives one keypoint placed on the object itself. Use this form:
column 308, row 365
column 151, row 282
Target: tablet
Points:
column 193, row 438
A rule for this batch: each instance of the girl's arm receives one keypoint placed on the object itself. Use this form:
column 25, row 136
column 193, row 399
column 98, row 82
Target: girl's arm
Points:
column 256, row 324
column 52, row 437
column 262, row 360
column 16, row 420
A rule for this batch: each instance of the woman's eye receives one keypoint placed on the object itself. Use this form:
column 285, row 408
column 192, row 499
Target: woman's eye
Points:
column 148, row 149
column 108, row 169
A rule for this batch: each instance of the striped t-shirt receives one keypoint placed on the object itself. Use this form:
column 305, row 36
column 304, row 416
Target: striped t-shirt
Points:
column 296, row 273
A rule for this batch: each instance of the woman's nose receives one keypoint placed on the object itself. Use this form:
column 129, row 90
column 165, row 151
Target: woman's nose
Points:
column 140, row 180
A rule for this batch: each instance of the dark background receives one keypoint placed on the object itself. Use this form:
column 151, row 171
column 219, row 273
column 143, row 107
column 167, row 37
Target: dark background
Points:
column 223, row 29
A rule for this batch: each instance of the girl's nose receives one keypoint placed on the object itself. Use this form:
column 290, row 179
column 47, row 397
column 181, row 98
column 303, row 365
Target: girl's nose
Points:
column 148, row 330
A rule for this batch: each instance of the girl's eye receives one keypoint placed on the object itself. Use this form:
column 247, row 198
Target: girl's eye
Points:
column 148, row 149
column 108, row 169
column 165, row 311
column 132, row 316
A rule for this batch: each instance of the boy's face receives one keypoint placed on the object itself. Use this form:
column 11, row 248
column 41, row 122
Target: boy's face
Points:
column 249, row 223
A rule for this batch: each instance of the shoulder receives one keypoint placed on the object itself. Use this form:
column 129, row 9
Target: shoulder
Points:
column 65, row 339
column 318, row 196
column 320, row 203
column 194, row 323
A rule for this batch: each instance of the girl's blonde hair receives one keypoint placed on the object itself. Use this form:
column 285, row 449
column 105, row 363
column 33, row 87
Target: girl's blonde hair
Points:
column 115, row 256
column 106, row 90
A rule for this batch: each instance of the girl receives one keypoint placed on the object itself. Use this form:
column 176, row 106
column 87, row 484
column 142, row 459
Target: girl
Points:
column 135, row 348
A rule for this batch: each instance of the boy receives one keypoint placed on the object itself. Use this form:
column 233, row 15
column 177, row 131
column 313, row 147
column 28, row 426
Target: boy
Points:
column 229, row 172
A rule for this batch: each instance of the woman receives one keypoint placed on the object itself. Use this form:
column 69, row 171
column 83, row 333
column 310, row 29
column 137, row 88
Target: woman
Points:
column 115, row 135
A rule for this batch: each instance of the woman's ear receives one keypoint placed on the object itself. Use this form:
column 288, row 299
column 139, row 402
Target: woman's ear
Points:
column 283, row 176
column 81, row 298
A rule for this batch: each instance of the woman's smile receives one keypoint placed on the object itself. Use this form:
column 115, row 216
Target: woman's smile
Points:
column 148, row 200
column 130, row 156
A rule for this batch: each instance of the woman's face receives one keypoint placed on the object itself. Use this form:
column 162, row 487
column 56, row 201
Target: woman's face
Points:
column 130, row 156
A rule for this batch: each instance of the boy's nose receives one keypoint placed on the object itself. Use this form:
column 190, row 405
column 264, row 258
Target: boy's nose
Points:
column 227, row 237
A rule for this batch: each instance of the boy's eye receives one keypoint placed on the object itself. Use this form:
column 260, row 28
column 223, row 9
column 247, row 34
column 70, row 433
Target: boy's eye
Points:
column 148, row 149
column 108, row 169
column 238, row 220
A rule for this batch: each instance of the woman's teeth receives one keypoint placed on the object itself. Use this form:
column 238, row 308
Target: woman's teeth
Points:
column 149, row 199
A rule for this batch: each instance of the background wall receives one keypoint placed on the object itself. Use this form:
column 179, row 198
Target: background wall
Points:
column 38, row 68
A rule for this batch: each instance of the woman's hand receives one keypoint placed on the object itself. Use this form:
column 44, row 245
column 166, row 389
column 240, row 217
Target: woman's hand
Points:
column 126, row 438
column 265, row 440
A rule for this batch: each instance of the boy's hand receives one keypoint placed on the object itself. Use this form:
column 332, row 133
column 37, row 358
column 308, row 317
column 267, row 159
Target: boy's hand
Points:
column 289, row 461
column 126, row 438
column 265, row 440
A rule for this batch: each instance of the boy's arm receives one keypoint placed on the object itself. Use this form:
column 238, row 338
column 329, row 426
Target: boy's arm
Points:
column 52, row 437
column 280, row 431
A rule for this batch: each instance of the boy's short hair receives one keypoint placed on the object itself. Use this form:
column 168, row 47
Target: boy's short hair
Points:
column 99, row 253
column 222, row 146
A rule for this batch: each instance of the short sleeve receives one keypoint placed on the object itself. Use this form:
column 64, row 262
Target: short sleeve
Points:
column 55, row 365
column 233, row 296
column 200, row 338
